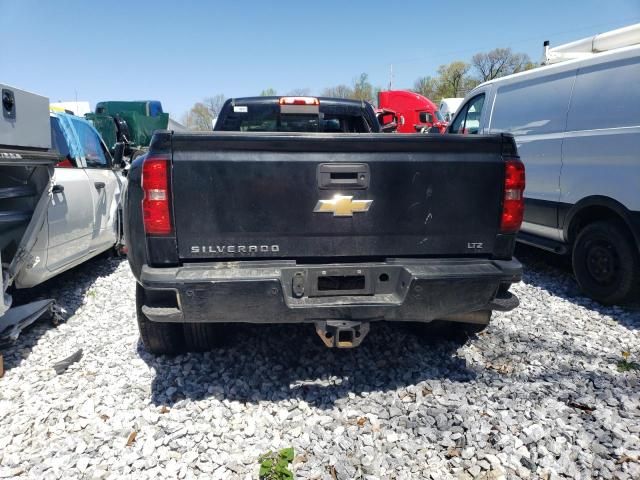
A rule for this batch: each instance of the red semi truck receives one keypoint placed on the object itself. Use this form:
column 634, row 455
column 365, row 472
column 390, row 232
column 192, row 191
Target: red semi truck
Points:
column 415, row 112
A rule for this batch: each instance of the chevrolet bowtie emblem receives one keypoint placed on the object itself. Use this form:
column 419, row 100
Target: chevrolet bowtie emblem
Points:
column 342, row 206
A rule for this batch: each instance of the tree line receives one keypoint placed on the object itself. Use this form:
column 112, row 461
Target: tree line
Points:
column 454, row 79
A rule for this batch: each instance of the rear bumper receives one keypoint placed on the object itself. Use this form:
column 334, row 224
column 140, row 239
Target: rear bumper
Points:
column 286, row 292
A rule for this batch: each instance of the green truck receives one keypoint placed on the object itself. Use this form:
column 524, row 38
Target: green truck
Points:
column 129, row 122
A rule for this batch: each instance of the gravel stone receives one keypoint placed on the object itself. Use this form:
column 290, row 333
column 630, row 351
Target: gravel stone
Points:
column 533, row 433
column 537, row 395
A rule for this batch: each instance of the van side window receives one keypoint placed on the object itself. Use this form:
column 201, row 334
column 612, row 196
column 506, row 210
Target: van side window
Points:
column 468, row 121
column 606, row 96
column 533, row 107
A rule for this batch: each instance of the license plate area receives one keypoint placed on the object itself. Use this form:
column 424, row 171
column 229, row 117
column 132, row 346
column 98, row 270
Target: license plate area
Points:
column 338, row 281
column 341, row 282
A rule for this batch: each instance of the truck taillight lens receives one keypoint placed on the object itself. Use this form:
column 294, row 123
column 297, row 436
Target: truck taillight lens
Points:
column 513, row 201
column 156, row 213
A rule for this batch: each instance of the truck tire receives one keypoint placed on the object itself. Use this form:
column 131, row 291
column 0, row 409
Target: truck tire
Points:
column 158, row 338
column 201, row 337
column 468, row 329
column 605, row 262
column 438, row 330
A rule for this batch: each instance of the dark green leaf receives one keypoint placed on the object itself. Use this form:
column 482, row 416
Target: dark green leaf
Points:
column 287, row 454
column 266, row 465
column 624, row 366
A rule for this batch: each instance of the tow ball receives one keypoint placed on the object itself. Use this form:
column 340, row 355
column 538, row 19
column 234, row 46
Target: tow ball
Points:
column 342, row 333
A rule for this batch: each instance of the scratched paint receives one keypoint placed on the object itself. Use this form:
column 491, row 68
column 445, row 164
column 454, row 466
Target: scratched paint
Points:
column 428, row 194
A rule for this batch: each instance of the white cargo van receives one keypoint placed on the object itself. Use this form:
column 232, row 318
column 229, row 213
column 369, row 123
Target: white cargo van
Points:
column 576, row 121
column 448, row 107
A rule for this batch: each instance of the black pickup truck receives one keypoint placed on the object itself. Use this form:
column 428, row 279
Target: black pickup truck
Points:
column 333, row 229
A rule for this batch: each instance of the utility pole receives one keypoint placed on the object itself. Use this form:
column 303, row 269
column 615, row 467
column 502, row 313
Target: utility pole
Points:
column 391, row 78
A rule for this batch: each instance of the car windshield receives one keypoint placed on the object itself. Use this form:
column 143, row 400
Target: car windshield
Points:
column 439, row 116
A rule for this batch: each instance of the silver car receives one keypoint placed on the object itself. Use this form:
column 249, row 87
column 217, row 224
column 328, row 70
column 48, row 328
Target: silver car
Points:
column 83, row 218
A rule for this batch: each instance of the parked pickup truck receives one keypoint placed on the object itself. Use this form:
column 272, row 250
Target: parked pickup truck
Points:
column 334, row 230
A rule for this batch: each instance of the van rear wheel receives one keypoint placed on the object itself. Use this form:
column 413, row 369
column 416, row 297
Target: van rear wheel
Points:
column 158, row 338
column 605, row 262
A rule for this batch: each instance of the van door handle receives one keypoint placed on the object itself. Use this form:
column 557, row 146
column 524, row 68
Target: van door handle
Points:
column 99, row 185
column 57, row 189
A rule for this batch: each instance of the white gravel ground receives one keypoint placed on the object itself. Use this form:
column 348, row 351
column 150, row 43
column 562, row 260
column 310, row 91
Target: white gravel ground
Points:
column 537, row 395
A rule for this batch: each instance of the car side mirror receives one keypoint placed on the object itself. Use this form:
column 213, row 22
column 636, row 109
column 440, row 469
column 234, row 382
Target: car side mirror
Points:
column 118, row 155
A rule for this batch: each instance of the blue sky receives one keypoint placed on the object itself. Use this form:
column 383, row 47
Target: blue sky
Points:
column 180, row 52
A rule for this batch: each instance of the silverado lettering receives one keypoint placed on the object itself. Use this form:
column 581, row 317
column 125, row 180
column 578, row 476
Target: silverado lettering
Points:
column 235, row 248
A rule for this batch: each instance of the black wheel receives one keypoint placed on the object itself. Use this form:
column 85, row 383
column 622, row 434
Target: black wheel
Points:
column 605, row 262
column 201, row 337
column 158, row 337
column 471, row 329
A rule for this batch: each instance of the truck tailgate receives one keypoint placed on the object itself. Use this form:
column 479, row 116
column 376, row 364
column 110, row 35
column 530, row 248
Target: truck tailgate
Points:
column 241, row 195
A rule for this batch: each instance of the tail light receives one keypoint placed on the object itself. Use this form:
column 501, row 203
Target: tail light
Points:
column 513, row 200
column 299, row 101
column 156, row 212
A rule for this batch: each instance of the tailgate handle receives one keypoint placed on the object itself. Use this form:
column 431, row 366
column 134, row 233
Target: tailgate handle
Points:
column 343, row 175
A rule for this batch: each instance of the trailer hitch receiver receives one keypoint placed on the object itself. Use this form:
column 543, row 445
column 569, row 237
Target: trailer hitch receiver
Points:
column 342, row 333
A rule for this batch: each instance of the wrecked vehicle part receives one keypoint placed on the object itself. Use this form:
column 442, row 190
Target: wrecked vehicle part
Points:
column 17, row 318
column 35, row 221
column 26, row 172
column 5, row 304
column 61, row 366
column 22, row 214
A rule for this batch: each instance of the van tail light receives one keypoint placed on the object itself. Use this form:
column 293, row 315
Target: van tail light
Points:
column 156, row 212
column 513, row 200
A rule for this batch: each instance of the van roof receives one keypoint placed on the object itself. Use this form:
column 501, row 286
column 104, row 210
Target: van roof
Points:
column 596, row 58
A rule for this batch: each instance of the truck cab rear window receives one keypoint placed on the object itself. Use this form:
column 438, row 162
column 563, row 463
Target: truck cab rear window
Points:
column 268, row 118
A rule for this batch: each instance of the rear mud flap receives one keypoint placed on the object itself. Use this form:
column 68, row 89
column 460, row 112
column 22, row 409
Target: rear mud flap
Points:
column 342, row 333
